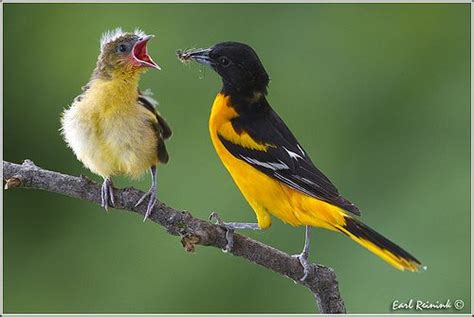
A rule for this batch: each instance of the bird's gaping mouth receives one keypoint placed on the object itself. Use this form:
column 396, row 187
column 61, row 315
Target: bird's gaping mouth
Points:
column 200, row 55
column 140, row 53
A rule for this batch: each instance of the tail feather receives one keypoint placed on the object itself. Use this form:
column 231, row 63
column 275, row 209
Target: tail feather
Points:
column 378, row 244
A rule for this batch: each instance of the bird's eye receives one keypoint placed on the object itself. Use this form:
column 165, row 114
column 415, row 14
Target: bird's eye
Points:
column 224, row 61
column 122, row 48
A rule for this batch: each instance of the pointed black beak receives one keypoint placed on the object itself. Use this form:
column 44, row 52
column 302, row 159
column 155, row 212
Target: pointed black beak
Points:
column 199, row 55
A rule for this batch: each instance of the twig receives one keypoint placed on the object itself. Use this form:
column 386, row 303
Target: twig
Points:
column 321, row 281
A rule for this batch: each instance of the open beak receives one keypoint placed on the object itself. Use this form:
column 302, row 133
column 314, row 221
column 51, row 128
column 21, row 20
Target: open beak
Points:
column 140, row 53
column 199, row 55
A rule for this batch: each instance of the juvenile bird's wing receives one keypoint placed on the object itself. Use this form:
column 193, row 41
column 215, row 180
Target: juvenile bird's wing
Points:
column 161, row 127
column 148, row 102
column 284, row 159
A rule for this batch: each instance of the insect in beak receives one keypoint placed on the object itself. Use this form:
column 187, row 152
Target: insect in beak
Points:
column 199, row 55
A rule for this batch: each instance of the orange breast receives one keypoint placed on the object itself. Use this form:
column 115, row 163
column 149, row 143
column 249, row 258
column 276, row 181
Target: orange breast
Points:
column 265, row 194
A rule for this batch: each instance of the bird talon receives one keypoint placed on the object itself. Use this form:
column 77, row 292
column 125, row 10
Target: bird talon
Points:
column 140, row 201
column 111, row 197
column 151, row 205
column 229, row 234
column 214, row 216
column 107, row 195
column 303, row 259
column 148, row 193
column 151, row 193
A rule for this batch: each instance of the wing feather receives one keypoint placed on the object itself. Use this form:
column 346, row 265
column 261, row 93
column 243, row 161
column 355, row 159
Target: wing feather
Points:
column 161, row 127
column 285, row 159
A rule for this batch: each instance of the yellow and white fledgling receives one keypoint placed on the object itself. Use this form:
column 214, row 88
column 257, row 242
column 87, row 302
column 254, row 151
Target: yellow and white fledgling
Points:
column 112, row 127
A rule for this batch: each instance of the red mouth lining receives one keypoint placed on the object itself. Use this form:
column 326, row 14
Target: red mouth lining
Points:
column 140, row 52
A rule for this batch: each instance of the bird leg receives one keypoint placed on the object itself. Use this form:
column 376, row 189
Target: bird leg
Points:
column 230, row 227
column 151, row 193
column 107, row 194
column 303, row 256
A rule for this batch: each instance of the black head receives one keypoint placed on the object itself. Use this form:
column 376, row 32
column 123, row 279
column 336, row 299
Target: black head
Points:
column 237, row 64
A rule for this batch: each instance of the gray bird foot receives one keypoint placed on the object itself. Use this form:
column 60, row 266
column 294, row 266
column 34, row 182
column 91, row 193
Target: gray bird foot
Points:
column 151, row 203
column 305, row 263
column 229, row 231
column 230, row 227
column 107, row 194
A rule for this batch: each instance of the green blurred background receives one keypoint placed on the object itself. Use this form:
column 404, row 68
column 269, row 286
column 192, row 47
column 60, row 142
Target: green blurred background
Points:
column 377, row 94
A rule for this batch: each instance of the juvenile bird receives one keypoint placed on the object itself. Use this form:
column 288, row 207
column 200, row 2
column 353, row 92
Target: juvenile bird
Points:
column 270, row 167
column 112, row 127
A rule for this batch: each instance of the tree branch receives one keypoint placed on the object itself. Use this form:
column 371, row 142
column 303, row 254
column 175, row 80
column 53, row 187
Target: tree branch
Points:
column 321, row 280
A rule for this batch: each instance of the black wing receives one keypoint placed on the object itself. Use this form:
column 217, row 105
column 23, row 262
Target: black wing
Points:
column 162, row 128
column 285, row 159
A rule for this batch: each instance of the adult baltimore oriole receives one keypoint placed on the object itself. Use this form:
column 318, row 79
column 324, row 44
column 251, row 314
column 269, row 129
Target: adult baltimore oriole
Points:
column 268, row 164
column 112, row 127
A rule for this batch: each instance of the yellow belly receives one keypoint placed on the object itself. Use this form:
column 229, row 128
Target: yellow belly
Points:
column 111, row 136
column 266, row 195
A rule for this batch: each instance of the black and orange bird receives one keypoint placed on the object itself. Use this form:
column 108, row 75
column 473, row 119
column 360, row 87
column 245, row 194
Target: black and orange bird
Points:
column 268, row 164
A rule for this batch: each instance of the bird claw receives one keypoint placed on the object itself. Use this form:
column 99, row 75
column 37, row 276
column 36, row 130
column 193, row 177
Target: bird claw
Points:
column 214, row 216
column 303, row 259
column 229, row 234
column 151, row 202
column 107, row 195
